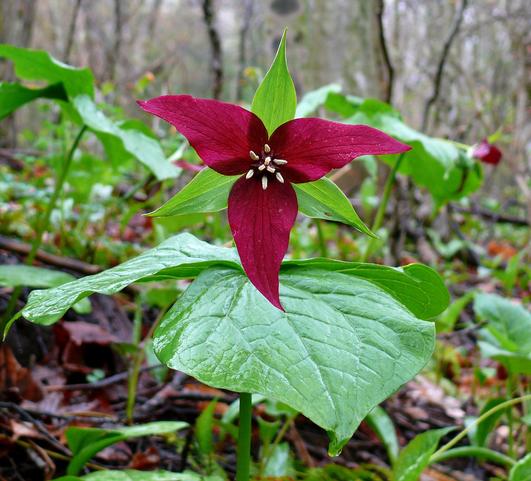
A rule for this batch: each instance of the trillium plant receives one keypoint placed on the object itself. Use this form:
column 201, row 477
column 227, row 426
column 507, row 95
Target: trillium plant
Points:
column 330, row 339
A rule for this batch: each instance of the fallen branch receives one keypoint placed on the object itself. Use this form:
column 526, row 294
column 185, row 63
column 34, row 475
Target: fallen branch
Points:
column 490, row 215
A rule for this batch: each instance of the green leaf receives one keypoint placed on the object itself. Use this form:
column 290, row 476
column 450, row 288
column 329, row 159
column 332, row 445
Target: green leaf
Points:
column 275, row 99
column 40, row 65
column 204, row 429
column 447, row 320
column 85, row 443
column 30, row 276
column 382, row 425
column 280, row 462
column 120, row 142
column 133, row 475
column 182, row 256
column 521, row 471
column 342, row 346
column 208, row 191
column 324, row 200
column 415, row 457
column 14, row 95
column 315, row 99
column 506, row 335
column 480, row 434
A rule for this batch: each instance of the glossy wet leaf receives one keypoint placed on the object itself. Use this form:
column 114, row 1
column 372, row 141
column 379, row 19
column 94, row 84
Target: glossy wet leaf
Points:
column 275, row 99
column 134, row 475
column 208, row 191
column 323, row 199
column 415, row 457
column 342, row 346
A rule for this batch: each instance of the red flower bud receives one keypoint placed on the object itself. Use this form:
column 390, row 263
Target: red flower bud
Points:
column 487, row 153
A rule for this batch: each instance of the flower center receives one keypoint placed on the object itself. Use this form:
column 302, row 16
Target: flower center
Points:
column 266, row 165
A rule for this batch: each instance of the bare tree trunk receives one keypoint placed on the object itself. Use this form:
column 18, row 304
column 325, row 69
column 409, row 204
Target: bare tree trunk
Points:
column 442, row 61
column 215, row 45
column 388, row 77
column 242, row 47
column 117, row 44
column 71, row 31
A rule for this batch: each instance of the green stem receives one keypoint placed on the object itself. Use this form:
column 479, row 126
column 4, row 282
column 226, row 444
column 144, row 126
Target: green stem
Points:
column 321, row 237
column 476, row 452
column 42, row 224
column 479, row 420
column 138, row 357
column 243, row 462
column 378, row 219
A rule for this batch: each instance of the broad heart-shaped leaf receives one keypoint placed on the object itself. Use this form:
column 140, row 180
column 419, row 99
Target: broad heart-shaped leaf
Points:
column 437, row 164
column 30, row 276
column 323, row 199
column 415, row 457
column 275, row 99
column 120, row 142
column 14, row 95
column 134, row 475
column 85, row 443
column 41, row 66
column 342, row 346
column 208, row 191
column 521, row 471
column 182, row 256
column 506, row 336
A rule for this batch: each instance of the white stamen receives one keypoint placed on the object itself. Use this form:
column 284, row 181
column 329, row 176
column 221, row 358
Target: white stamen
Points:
column 249, row 174
column 267, row 160
column 279, row 177
column 253, row 155
column 261, row 167
column 267, row 149
column 264, row 182
column 280, row 161
column 270, row 169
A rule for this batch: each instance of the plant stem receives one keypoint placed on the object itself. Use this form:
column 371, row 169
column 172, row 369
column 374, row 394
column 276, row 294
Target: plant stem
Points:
column 243, row 462
column 321, row 237
column 378, row 219
column 476, row 452
column 479, row 420
column 43, row 222
column 137, row 359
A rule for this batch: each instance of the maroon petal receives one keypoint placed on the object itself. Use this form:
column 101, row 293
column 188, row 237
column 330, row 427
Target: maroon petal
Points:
column 222, row 134
column 487, row 152
column 313, row 147
column 261, row 221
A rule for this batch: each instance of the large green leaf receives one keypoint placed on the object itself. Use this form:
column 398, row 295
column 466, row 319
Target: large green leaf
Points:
column 437, row 164
column 208, row 191
column 315, row 99
column 30, row 276
column 521, row 471
column 324, row 200
column 275, row 99
column 14, row 95
column 120, row 142
column 182, row 256
column 41, row 66
column 415, row 457
column 342, row 346
column 506, row 335
column 85, row 443
column 417, row 287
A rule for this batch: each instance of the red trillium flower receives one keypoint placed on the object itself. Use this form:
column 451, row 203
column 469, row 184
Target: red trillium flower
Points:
column 262, row 204
column 487, row 153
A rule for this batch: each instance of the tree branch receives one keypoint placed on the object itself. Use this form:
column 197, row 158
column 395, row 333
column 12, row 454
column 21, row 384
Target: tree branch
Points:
column 215, row 45
column 388, row 88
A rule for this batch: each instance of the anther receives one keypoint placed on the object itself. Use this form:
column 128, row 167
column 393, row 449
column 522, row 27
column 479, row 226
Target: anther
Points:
column 261, row 167
column 280, row 161
column 270, row 169
column 264, row 182
column 249, row 174
column 279, row 177
column 253, row 155
column 267, row 149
